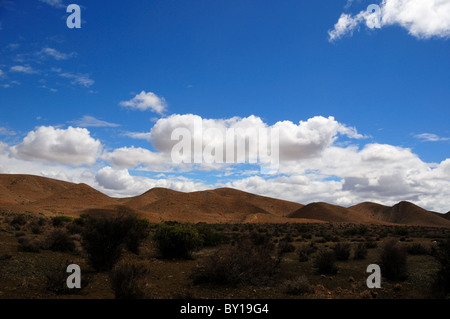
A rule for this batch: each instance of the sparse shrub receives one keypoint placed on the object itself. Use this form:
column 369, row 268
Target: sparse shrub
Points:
column 401, row 231
column 324, row 262
column 371, row 244
column 285, row 247
column 342, row 251
column 59, row 221
column 30, row 245
column 441, row 285
column 104, row 237
column 60, row 240
column 393, row 261
column 305, row 251
column 417, row 249
column 243, row 263
column 128, row 279
column 298, row 286
column 19, row 220
column 177, row 240
column 35, row 227
column 209, row 236
column 137, row 230
column 353, row 231
column 74, row 228
column 360, row 251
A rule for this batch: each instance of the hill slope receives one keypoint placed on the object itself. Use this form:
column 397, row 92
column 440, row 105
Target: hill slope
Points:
column 402, row 213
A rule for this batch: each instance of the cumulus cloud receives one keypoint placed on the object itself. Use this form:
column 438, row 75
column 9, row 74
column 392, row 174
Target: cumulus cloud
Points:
column 314, row 166
column 422, row 18
column 146, row 101
column 132, row 157
column 296, row 141
column 119, row 182
column 71, row 146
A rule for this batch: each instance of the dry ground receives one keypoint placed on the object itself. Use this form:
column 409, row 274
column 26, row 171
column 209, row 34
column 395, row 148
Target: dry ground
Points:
column 24, row 274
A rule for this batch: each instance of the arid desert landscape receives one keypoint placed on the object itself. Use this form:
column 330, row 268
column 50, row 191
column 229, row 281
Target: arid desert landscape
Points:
column 221, row 243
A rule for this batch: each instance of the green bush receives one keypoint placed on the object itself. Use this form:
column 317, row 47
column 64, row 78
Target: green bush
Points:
column 59, row 221
column 324, row 262
column 177, row 240
column 104, row 237
column 393, row 261
column 209, row 236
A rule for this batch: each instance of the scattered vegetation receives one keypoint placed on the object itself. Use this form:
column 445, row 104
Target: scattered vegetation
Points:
column 60, row 240
column 246, row 262
column 342, row 251
column 176, row 240
column 103, row 238
column 324, row 262
column 393, row 261
column 360, row 251
column 129, row 279
column 298, row 286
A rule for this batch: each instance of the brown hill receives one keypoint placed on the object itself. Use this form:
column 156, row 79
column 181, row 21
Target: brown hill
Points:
column 41, row 194
column 23, row 189
column 220, row 205
column 224, row 205
column 75, row 198
column 402, row 213
column 332, row 213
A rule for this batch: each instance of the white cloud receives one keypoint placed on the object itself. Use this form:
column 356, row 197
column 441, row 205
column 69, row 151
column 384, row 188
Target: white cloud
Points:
column 90, row 121
column 314, row 165
column 54, row 3
column 23, row 69
column 5, row 131
column 296, row 141
column 422, row 18
column 429, row 137
column 138, row 135
column 132, row 157
column 78, row 79
column 57, row 55
column 71, row 146
column 119, row 182
column 146, row 101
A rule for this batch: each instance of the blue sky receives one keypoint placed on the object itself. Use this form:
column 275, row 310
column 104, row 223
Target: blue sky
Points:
column 276, row 61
